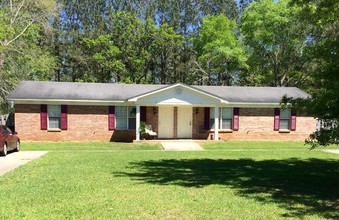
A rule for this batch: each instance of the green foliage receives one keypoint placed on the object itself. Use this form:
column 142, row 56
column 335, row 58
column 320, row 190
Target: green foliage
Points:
column 165, row 49
column 220, row 53
column 276, row 42
column 323, row 53
column 24, row 50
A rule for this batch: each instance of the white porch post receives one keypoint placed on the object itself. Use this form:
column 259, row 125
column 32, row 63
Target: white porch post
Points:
column 216, row 123
column 137, row 124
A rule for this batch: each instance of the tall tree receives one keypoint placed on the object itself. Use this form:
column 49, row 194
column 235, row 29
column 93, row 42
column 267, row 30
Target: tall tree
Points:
column 220, row 53
column 166, row 52
column 276, row 42
column 323, row 51
column 24, row 51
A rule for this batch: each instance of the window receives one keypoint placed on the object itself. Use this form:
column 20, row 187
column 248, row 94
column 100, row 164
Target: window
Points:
column 54, row 116
column 225, row 118
column 125, row 117
column 285, row 116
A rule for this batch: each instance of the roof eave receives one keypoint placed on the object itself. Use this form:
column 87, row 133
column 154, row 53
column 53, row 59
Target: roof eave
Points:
column 65, row 101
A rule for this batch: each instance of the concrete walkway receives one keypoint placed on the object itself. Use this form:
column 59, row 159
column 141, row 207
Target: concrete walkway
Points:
column 16, row 159
column 181, row 146
column 332, row 151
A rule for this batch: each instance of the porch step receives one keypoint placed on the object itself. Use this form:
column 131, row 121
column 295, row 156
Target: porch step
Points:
column 181, row 146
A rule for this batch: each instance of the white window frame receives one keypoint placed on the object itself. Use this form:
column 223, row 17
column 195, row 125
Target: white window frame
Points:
column 222, row 117
column 127, row 116
column 53, row 111
column 285, row 115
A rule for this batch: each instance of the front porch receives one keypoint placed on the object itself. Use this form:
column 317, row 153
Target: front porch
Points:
column 177, row 112
column 177, row 123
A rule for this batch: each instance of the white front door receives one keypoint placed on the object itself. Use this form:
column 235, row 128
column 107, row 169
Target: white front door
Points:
column 166, row 122
column 184, row 122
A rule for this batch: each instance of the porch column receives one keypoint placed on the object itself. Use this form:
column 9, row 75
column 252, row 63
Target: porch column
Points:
column 216, row 123
column 137, row 124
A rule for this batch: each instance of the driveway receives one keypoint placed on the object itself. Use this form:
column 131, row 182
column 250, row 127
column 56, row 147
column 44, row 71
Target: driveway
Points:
column 16, row 159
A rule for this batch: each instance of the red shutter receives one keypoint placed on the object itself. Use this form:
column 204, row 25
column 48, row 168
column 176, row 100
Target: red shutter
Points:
column 64, row 123
column 111, row 118
column 43, row 117
column 276, row 119
column 235, row 119
column 143, row 113
column 207, row 119
column 293, row 120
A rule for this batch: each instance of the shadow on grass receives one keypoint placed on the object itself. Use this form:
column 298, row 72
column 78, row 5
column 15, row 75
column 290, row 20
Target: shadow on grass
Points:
column 299, row 186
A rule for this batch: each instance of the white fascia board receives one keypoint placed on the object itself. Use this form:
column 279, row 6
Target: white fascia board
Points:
column 68, row 102
column 251, row 105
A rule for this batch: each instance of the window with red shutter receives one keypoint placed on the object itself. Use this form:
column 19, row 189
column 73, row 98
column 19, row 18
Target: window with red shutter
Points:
column 64, row 122
column 43, row 117
column 293, row 120
column 235, row 119
column 111, row 118
column 276, row 119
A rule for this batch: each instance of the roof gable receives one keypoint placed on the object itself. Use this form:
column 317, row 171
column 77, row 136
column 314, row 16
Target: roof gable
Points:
column 177, row 94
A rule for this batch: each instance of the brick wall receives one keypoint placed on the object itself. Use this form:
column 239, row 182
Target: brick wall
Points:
column 90, row 123
column 255, row 124
column 198, row 124
column 85, row 123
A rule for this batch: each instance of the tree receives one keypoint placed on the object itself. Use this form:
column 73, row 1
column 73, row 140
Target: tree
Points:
column 276, row 42
column 24, row 52
column 220, row 53
column 166, row 52
column 323, row 51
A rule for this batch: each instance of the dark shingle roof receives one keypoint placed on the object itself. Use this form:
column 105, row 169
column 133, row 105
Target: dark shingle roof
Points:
column 27, row 90
column 79, row 91
column 254, row 94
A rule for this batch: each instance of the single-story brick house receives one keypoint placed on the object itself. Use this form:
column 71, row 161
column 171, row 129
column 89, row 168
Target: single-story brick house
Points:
column 65, row 111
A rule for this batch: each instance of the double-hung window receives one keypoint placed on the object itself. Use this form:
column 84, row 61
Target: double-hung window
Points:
column 285, row 117
column 225, row 118
column 125, row 117
column 54, row 116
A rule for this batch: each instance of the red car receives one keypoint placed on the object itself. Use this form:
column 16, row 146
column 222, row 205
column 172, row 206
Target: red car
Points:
column 8, row 141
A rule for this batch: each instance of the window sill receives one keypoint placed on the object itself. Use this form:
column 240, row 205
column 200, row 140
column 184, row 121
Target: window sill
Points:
column 223, row 131
column 54, row 130
column 284, row 131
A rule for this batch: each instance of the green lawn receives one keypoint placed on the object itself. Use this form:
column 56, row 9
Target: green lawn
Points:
column 230, row 180
column 80, row 146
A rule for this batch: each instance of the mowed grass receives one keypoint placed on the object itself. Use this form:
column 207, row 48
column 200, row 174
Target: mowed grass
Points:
column 76, row 146
column 228, row 183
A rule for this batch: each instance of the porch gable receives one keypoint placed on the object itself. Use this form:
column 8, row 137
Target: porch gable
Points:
column 177, row 95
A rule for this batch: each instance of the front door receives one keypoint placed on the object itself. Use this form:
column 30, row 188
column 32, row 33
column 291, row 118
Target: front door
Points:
column 184, row 122
column 166, row 122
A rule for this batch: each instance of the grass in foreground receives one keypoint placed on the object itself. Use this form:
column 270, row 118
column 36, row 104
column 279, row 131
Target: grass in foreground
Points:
column 265, row 184
column 272, row 145
column 74, row 146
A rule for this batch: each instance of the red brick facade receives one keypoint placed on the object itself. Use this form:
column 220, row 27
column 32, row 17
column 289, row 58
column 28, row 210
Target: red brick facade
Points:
column 90, row 123
column 255, row 124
